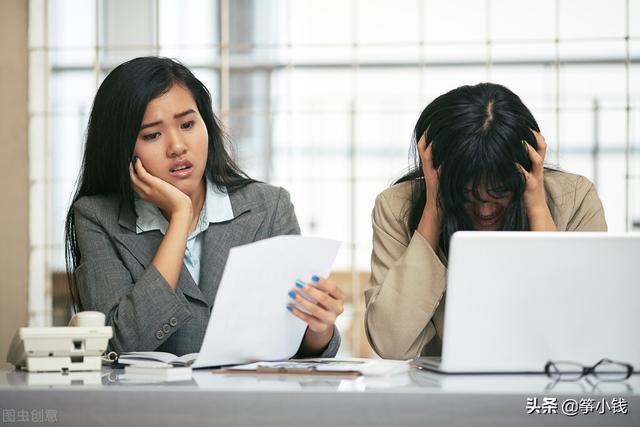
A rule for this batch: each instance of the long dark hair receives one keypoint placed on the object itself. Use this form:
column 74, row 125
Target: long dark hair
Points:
column 113, row 128
column 478, row 134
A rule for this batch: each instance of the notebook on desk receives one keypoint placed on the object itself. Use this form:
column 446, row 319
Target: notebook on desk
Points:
column 516, row 300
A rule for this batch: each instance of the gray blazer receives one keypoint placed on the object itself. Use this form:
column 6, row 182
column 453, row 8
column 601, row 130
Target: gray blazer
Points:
column 116, row 277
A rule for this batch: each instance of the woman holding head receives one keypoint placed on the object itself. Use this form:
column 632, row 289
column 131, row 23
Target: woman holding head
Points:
column 479, row 166
column 158, row 205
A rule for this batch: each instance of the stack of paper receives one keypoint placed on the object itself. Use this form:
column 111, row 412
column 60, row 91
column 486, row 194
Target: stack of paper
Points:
column 159, row 371
column 324, row 366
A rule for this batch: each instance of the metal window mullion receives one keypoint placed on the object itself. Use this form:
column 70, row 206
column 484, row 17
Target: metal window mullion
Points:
column 48, row 284
column 289, row 98
column 421, row 53
column 557, row 69
column 627, row 151
column 224, row 61
column 355, row 277
column 37, row 316
column 96, row 61
column 156, row 27
column 488, row 62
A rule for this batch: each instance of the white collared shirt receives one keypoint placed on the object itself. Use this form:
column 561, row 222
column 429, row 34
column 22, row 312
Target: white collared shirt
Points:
column 216, row 208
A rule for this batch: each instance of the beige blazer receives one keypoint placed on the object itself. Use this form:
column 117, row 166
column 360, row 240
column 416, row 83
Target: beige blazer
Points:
column 405, row 300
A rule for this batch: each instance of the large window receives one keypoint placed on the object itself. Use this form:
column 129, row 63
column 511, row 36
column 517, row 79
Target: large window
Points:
column 321, row 96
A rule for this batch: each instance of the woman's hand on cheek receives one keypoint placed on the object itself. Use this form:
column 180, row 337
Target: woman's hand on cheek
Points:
column 323, row 302
column 535, row 199
column 158, row 192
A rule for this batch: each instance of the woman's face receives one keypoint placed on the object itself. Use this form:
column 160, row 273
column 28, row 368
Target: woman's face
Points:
column 173, row 142
column 487, row 214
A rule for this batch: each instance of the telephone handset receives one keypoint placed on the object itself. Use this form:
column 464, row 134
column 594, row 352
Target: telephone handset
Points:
column 87, row 318
column 77, row 347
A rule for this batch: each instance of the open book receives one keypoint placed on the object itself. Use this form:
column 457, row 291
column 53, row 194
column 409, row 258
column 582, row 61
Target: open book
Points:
column 155, row 357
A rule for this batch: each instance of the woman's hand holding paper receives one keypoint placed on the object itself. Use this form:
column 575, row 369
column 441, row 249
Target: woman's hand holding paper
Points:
column 318, row 304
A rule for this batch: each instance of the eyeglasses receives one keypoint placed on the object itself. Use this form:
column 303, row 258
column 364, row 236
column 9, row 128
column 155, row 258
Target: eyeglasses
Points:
column 605, row 370
column 590, row 386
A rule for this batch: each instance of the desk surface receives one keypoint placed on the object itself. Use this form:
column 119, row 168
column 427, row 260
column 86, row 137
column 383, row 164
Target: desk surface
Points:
column 413, row 398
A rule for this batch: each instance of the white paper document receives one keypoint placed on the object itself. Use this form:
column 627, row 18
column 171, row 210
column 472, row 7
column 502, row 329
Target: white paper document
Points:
column 250, row 320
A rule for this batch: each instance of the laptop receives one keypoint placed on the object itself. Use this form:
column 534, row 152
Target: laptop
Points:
column 516, row 300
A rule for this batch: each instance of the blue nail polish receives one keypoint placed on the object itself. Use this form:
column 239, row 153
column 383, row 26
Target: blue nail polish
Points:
column 289, row 308
column 300, row 283
column 292, row 294
column 315, row 278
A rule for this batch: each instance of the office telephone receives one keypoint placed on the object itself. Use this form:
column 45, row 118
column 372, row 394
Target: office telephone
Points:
column 77, row 347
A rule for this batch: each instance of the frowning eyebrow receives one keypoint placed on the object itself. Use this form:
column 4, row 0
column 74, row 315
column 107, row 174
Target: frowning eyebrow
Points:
column 176, row 116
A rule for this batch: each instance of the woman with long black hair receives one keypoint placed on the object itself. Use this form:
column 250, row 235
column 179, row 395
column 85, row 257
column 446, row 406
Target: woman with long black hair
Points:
column 479, row 166
column 158, row 205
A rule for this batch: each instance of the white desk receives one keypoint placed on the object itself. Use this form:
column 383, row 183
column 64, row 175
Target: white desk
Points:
column 416, row 398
